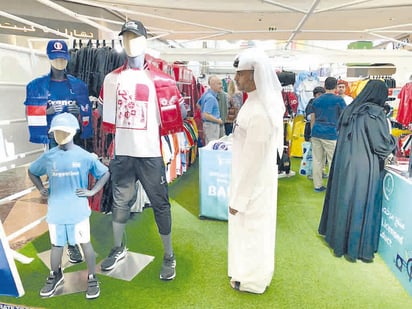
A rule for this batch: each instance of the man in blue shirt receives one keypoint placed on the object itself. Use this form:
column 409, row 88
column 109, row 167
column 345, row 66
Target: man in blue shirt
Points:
column 210, row 110
column 325, row 113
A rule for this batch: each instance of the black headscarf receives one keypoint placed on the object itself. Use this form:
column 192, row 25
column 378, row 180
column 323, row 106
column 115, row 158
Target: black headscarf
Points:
column 375, row 92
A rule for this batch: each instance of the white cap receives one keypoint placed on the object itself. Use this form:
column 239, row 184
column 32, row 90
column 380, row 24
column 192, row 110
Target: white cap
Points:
column 65, row 122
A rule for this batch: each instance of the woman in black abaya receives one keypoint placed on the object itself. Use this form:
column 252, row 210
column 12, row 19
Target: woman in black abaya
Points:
column 352, row 209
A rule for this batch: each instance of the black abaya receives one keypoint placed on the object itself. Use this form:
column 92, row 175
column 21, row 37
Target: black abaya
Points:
column 352, row 209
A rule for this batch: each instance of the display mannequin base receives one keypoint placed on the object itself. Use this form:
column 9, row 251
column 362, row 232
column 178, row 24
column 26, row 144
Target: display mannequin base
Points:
column 129, row 267
column 45, row 258
column 76, row 282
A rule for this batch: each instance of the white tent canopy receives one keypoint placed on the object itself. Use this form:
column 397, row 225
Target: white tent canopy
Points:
column 180, row 30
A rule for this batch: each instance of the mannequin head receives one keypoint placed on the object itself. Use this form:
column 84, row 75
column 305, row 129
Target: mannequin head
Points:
column 63, row 137
column 58, row 54
column 134, row 38
column 59, row 63
column 134, row 45
column 64, row 127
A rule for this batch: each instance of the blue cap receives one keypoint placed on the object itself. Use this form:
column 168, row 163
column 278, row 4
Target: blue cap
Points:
column 57, row 49
column 64, row 122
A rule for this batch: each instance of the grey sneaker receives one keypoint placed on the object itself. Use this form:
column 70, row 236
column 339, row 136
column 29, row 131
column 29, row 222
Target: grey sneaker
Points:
column 73, row 252
column 52, row 282
column 93, row 289
column 115, row 255
column 168, row 271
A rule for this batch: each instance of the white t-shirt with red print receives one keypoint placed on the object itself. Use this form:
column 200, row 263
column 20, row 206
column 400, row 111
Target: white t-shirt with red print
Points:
column 137, row 116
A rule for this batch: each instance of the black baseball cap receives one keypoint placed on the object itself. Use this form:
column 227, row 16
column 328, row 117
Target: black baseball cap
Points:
column 134, row 26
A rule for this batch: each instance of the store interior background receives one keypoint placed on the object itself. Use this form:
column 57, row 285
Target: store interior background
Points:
column 205, row 36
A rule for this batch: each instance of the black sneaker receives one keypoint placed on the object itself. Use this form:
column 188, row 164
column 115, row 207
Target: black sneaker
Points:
column 52, row 282
column 168, row 271
column 93, row 289
column 73, row 252
column 115, row 255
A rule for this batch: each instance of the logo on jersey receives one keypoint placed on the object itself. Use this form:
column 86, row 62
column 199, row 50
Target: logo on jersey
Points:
column 166, row 102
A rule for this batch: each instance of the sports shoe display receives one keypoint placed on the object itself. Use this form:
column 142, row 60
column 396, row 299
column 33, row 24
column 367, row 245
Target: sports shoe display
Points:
column 168, row 271
column 93, row 289
column 74, row 254
column 115, row 255
column 52, row 282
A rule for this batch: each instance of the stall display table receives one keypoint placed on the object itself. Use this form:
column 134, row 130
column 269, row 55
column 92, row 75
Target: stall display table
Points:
column 395, row 243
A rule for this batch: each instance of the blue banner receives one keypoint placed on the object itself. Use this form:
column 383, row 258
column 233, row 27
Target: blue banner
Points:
column 10, row 283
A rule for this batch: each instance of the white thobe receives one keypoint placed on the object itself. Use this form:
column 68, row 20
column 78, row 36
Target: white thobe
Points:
column 253, row 192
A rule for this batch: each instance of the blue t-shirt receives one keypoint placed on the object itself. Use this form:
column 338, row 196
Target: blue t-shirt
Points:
column 327, row 109
column 67, row 171
column 209, row 104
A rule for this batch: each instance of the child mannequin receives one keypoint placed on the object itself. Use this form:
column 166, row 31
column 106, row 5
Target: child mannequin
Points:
column 67, row 167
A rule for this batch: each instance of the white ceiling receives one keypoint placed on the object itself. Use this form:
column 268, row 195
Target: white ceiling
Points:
column 188, row 20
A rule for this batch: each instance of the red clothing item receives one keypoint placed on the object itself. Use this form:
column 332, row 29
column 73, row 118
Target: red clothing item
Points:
column 404, row 115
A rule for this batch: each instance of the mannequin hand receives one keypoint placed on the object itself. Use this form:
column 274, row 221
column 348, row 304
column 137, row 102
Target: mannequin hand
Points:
column 50, row 110
column 84, row 193
column 232, row 211
column 56, row 108
column 74, row 109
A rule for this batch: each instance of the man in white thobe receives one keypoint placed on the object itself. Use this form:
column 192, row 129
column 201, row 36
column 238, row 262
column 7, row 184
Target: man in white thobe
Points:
column 257, row 136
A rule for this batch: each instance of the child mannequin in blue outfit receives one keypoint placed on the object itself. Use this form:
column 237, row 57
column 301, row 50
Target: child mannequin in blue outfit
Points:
column 67, row 167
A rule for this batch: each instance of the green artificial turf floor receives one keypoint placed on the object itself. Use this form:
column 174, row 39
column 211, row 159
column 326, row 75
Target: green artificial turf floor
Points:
column 307, row 275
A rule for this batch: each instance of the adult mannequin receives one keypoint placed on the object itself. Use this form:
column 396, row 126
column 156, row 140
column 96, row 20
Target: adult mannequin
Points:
column 55, row 93
column 51, row 95
column 130, row 111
